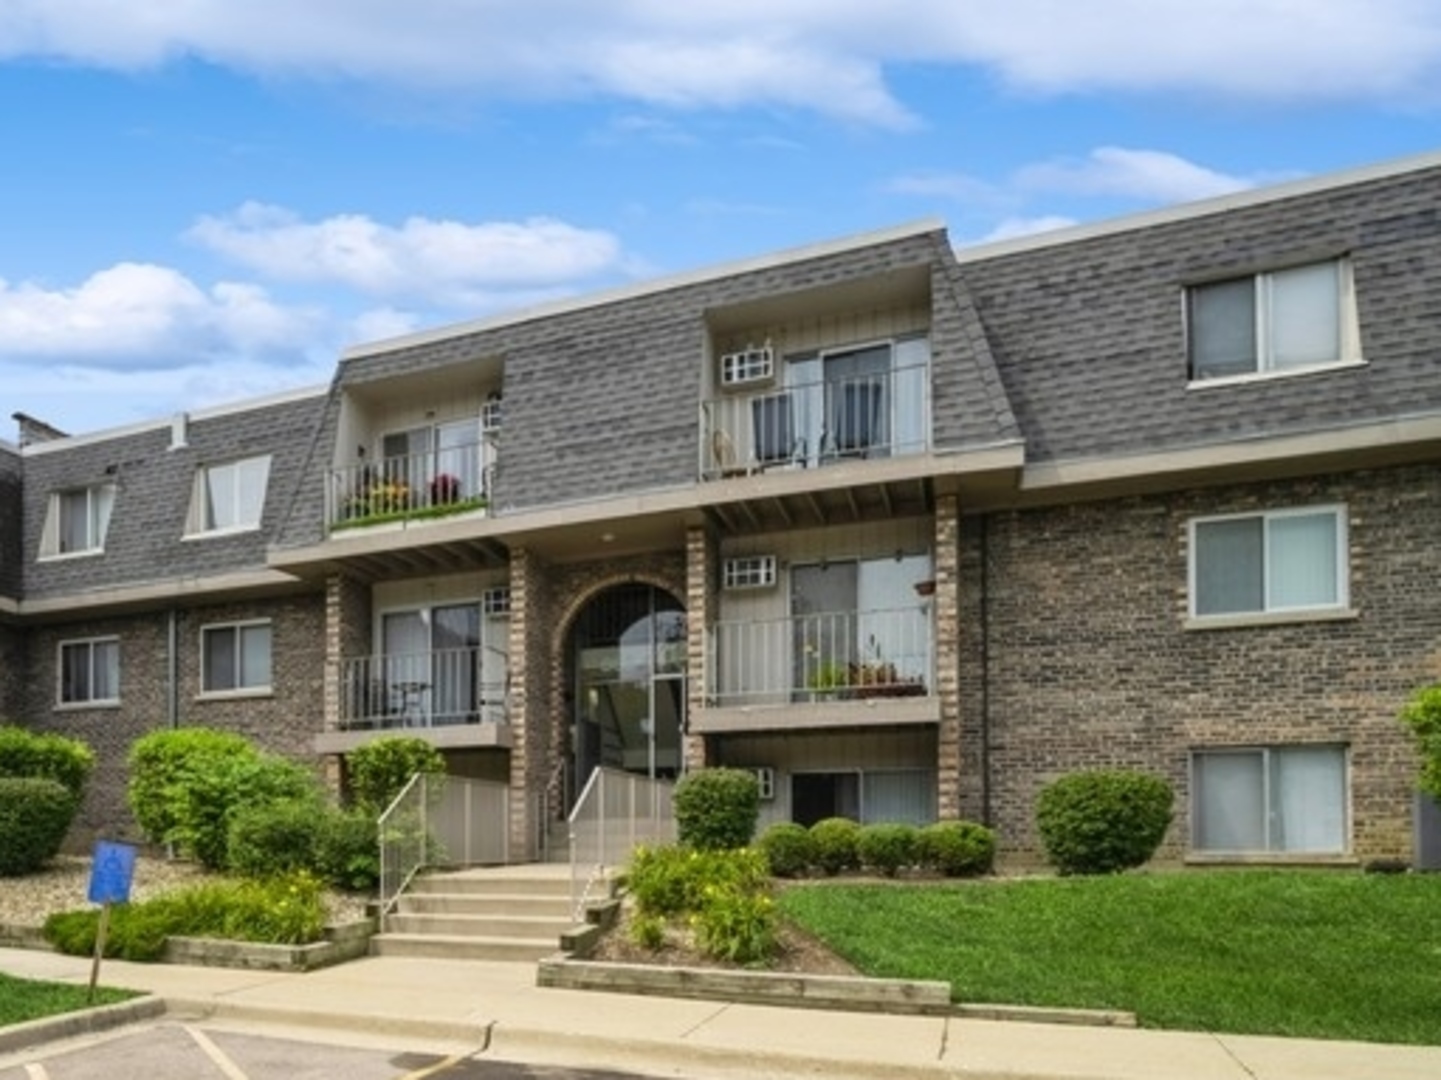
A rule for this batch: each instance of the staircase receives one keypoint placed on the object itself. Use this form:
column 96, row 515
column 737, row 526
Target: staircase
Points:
column 514, row 913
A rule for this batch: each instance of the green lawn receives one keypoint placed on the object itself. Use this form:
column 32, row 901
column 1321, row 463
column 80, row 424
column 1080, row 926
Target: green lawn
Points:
column 28, row 999
column 1338, row 955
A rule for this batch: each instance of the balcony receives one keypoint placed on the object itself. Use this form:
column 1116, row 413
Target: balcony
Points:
column 824, row 414
column 822, row 659
column 410, row 487
column 420, row 691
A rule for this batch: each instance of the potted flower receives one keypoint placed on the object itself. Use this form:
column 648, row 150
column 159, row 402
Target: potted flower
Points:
column 444, row 489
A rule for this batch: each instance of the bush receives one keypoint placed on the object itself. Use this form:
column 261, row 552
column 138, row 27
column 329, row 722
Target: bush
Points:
column 1103, row 821
column 788, row 848
column 162, row 764
column 347, row 850
column 284, row 910
column 673, row 880
column 886, row 848
column 835, row 842
column 957, row 848
column 268, row 838
column 716, row 809
column 378, row 771
column 53, row 757
column 1423, row 716
column 35, row 813
column 737, row 924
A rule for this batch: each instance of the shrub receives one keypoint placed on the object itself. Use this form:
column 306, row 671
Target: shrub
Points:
column 162, row 764
column 53, row 757
column 716, row 809
column 284, row 910
column 736, row 924
column 1422, row 715
column 1103, row 821
column 957, row 848
column 648, row 931
column 35, row 813
column 210, row 796
column 788, row 848
column 347, row 850
column 835, row 842
column 886, row 848
column 268, row 838
column 673, row 880
column 378, row 771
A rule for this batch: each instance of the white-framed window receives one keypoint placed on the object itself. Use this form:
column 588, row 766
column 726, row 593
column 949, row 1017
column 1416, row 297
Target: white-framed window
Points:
column 235, row 657
column 229, row 497
column 1269, row 799
column 76, row 521
column 90, row 672
column 753, row 364
column 749, row 572
column 1277, row 561
column 1270, row 323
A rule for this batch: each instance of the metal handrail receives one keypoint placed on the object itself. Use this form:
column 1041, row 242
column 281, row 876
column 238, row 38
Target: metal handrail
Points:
column 616, row 812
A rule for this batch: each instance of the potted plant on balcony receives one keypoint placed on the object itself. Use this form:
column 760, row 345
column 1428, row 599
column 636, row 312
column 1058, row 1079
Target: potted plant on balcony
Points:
column 444, row 489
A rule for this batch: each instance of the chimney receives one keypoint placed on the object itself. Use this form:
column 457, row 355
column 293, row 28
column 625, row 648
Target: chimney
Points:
column 36, row 431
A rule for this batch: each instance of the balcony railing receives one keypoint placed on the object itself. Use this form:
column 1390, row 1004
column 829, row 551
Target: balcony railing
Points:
column 422, row 690
column 830, row 420
column 438, row 483
column 825, row 657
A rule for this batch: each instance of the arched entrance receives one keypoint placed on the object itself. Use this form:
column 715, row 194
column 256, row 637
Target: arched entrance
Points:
column 627, row 657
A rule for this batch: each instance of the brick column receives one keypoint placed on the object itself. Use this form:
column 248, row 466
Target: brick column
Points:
column 701, row 562
column 528, row 710
column 948, row 656
column 347, row 635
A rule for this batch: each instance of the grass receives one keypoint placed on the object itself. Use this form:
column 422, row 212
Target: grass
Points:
column 30, row 999
column 1317, row 954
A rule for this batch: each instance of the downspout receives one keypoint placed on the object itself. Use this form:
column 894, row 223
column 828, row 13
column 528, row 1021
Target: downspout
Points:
column 172, row 671
column 985, row 616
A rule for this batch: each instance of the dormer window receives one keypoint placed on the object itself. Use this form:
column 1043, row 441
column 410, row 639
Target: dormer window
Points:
column 76, row 521
column 1272, row 323
column 229, row 497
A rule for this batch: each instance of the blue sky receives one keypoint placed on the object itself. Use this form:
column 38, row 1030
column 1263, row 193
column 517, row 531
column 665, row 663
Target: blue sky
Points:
column 209, row 200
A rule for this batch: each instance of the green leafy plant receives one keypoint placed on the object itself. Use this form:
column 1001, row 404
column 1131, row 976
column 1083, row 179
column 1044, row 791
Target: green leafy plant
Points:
column 1104, row 820
column 210, row 796
column 736, row 924
column 835, row 842
column 32, row 754
column 648, row 931
column 378, row 771
column 269, row 838
column 716, row 809
column 1422, row 715
column 347, row 850
column 957, row 848
column 788, row 847
column 163, row 763
column 35, row 813
column 886, row 848
column 671, row 880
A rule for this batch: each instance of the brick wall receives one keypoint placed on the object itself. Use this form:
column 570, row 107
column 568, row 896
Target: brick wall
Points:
column 12, row 673
column 282, row 721
column 1090, row 664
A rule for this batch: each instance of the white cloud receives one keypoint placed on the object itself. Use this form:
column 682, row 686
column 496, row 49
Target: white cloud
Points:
column 135, row 315
column 829, row 56
column 1148, row 175
column 1013, row 228
column 444, row 262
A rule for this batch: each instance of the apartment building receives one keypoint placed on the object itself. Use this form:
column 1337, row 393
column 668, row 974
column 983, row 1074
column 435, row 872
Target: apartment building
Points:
column 910, row 531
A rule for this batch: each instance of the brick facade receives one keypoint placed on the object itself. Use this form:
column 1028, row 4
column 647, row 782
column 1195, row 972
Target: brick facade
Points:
column 1083, row 658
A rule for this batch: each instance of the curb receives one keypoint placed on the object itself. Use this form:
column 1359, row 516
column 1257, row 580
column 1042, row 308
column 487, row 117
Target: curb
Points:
column 83, row 1022
column 370, row 1023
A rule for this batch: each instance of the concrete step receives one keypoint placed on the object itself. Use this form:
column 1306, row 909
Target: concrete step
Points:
column 478, row 926
column 493, row 883
column 518, row 905
column 450, row 947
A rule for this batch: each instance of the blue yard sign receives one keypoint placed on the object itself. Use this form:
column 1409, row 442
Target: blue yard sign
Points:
column 111, row 873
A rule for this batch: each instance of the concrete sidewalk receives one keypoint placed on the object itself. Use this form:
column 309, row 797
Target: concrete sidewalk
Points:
column 499, row 1007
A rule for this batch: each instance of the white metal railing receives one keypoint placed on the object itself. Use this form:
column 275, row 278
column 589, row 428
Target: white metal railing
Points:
column 881, row 414
column 437, row 483
column 828, row 656
column 441, row 820
column 616, row 812
column 423, row 690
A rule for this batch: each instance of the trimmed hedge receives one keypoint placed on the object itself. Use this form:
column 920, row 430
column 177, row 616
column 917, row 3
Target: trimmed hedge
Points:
column 716, row 809
column 835, row 843
column 35, row 813
column 886, row 848
column 957, row 848
column 162, row 763
column 274, row 837
column 1104, row 820
column 788, row 848
column 24, row 753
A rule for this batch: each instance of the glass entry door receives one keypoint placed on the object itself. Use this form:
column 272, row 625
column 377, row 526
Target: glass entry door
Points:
column 628, row 650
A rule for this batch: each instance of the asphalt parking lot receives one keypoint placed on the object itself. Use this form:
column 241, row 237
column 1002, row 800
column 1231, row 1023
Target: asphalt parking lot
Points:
column 171, row 1050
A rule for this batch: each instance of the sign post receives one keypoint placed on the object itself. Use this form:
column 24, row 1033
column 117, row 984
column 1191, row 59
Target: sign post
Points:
column 111, row 871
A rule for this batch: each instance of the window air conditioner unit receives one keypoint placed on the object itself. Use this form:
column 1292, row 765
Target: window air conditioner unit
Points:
column 753, row 364
column 749, row 572
column 766, row 782
column 490, row 415
column 496, row 602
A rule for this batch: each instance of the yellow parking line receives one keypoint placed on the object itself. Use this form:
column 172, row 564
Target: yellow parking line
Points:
column 35, row 1071
column 215, row 1054
column 431, row 1070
